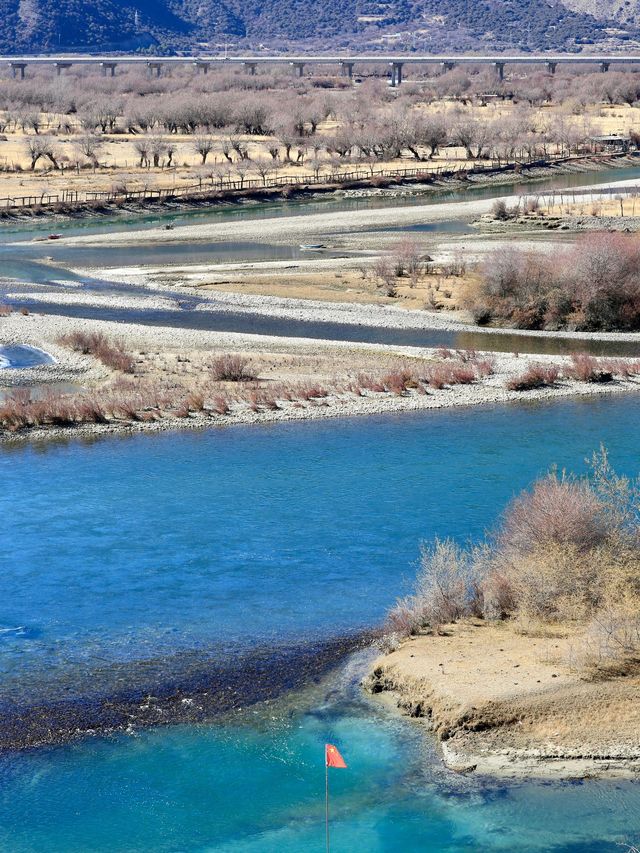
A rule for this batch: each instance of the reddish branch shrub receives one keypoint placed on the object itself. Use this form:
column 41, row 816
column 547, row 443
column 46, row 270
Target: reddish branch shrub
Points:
column 312, row 392
column 370, row 383
column 110, row 353
column 220, row 405
column 586, row 368
column 231, row 368
column 593, row 285
column 535, row 376
column 399, row 381
column 623, row 367
column 555, row 511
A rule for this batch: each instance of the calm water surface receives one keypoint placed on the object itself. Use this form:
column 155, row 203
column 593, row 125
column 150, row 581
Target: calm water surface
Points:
column 134, row 548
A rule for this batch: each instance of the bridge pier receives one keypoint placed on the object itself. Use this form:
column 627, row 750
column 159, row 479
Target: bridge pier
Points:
column 201, row 66
column 298, row 68
column 109, row 67
column 61, row 66
column 499, row 66
column 346, row 69
column 18, row 69
column 604, row 67
column 396, row 73
column 154, row 68
column 250, row 68
column 551, row 67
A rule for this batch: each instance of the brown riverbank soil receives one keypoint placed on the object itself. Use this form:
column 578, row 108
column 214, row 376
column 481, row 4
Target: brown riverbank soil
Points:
column 512, row 701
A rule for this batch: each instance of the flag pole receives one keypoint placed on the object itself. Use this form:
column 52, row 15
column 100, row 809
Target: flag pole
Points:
column 326, row 802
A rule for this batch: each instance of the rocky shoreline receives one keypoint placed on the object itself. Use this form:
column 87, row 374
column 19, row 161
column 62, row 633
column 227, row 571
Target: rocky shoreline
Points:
column 190, row 689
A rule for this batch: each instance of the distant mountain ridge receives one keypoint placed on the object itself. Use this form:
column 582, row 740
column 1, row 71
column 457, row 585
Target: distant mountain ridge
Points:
column 424, row 25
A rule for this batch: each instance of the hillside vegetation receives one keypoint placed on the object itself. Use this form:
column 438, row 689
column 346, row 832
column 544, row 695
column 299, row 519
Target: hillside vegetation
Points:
column 424, row 25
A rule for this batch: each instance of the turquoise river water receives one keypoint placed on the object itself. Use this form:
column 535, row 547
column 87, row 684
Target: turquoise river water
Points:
column 125, row 550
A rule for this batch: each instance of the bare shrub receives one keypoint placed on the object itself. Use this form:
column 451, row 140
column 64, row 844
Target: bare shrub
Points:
column 231, row 368
column 586, row 368
column 499, row 210
column 5, row 310
column 592, row 286
column 484, row 367
column 449, row 373
column 398, row 381
column 623, row 367
column 405, row 617
column 567, row 550
column 611, row 645
column 110, row 353
column 535, row 376
column 220, row 405
column 311, row 391
column 447, row 589
column 370, row 383
column 557, row 511
column 384, row 273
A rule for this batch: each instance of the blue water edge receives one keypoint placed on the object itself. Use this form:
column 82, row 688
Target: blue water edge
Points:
column 130, row 549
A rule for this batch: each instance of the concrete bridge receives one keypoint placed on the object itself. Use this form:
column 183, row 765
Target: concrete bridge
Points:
column 396, row 63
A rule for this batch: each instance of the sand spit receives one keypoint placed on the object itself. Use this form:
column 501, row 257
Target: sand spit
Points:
column 505, row 703
column 180, row 356
column 318, row 226
column 309, row 310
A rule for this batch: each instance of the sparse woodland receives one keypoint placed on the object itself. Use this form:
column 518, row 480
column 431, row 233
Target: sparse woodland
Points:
column 182, row 127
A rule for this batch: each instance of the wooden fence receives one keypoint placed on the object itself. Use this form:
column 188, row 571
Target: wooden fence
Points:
column 212, row 186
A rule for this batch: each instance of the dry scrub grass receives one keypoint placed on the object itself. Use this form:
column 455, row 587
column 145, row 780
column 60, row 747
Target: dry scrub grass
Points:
column 153, row 386
column 110, row 353
column 566, row 552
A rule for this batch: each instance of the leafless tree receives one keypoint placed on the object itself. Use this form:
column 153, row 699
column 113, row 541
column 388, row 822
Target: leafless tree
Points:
column 142, row 147
column 264, row 168
column 41, row 146
column 89, row 146
column 203, row 145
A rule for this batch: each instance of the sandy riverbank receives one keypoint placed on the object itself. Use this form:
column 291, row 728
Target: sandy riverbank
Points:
column 346, row 227
column 179, row 361
column 504, row 702
column 301, row 309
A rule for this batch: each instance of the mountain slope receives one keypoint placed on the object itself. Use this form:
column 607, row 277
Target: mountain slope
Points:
column 49, row 25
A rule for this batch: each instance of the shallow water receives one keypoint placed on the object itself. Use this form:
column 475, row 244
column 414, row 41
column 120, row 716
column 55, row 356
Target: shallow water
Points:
column 134, row 548
column 235, row 321
column 20, row 355
column 257, row 786
column 21, row 261
column 45, row 264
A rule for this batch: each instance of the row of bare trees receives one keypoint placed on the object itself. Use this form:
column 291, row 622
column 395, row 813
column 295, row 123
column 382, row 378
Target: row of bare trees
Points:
column 375, row 136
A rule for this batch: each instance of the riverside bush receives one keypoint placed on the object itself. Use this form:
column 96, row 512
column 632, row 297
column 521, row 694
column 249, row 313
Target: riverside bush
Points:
column 591, row 286
column 565, row 551
column 535, row 376
column 231, row 368
column 110, row 353
column 586, row 368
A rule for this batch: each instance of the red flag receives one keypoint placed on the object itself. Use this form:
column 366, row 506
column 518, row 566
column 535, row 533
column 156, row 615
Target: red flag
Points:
column 333, row 757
